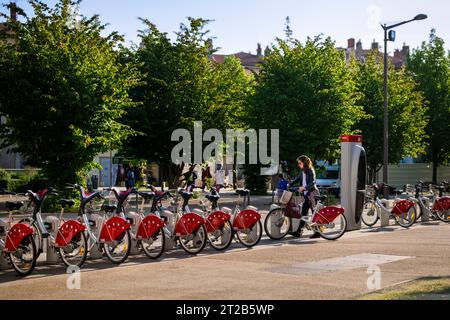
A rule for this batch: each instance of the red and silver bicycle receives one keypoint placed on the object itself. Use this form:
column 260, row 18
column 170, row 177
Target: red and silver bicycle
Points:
column 186, row 228
column 329, row 222
column 218, row 224
column 246, row 224
column 66, row 237
column 108, row 231
column 146, row 230
column 16, row 240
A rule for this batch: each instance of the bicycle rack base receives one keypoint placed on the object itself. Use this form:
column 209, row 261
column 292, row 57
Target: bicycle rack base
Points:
column 425, row 213
column 384, row 216
column 4, row 265
column 274, row 230
column 95, row 252
column 295, row 224
column 169, row 244
column 134, row 248
column 51, row 257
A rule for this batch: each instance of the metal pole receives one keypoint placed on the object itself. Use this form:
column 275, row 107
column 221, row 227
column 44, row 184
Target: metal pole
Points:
column 110, row 169
column 386, row 121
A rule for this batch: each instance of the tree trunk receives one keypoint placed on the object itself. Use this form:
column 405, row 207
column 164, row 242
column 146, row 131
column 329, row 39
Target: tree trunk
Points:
column 435, row 168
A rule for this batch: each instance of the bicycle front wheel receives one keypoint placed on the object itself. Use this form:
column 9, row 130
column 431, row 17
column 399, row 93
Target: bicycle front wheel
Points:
column 194, row 243
column 24, row 258
column 118, row 250
column 333, row 230
column 221, row 239
column 406, row 219
column 276, row 224
column 370, row 213
column 154, row 246
column 251, row 236
column 75, row 253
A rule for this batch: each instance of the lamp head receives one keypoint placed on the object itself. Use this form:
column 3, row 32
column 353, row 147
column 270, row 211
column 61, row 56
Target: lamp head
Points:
column 420, row 17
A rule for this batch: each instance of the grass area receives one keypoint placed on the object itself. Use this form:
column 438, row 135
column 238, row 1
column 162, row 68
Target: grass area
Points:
column 420, row 289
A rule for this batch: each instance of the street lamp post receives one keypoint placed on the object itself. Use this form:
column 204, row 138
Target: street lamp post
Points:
column 389, row 37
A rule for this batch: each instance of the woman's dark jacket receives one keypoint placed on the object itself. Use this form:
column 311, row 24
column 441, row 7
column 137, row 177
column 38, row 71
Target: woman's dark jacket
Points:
column 310, row 185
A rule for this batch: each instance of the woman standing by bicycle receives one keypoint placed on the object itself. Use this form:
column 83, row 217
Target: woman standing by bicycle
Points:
column 307, row 181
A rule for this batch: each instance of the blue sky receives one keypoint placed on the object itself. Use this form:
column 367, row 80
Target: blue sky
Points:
column 240, row 24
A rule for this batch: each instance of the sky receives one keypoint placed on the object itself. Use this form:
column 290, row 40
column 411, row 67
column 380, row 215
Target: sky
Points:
column 240, row 24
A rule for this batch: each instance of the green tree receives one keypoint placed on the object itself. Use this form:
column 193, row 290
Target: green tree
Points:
column 182, row 85
column 407, row 113
column 308, row 92
column 430, row 66
column 64, row 90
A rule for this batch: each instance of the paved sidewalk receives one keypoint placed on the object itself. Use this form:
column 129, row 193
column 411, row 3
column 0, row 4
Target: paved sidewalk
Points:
column 286, row 269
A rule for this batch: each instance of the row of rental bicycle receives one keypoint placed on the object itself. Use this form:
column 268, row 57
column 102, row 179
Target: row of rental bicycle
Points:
column 115, row 223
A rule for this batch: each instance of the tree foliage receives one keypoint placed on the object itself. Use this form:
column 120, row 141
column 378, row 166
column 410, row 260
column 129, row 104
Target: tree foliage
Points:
column 182, row 85
column 308, row 92
column 406, row 108
column 430, row 66
column 65, row 90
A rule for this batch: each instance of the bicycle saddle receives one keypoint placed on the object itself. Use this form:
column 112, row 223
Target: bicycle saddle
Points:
column 109, row 208
column 243, row 192
column 14, row 205
column 147, row 195
column 66, row 203
column 320, row 198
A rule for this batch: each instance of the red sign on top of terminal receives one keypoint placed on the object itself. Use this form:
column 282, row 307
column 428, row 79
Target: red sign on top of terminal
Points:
column 351, row 138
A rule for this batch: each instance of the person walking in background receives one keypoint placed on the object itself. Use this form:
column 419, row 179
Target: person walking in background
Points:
column 130, row 181
column 206, row 177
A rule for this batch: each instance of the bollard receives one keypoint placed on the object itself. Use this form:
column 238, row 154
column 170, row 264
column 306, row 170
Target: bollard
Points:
column 4, row 265
column 3, row 259
column 132, row 218
column 169, row 242
column 295, row 223
column 425, row 213
column 51, row 257
column 384, row 216
column 274, row 230
column 95, row 252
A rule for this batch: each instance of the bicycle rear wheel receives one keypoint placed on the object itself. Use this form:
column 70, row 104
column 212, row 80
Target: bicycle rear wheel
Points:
column 333, row 230
column 221, row 239
column 194, row 243
column 276, row 224
column 406, row 219
column 251, row 236
column 24, row 258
